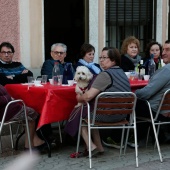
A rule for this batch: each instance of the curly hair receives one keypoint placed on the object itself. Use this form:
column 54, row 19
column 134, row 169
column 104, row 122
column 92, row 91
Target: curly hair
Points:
column 148, row 47
column 113, row 54
column 127, row 41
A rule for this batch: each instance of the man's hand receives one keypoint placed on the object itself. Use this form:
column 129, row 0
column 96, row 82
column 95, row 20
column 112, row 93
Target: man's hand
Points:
column 24, row 71
column 10, row 77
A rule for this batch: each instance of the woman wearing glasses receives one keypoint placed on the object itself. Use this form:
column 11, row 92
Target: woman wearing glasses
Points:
column 111, row 79
column 86, row 59
column 10, row 71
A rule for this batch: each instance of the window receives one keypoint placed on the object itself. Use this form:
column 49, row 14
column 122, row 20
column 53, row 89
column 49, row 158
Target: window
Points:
column 130, row 17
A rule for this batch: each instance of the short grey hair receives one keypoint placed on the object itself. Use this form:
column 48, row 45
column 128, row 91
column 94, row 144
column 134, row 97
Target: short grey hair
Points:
column 59, row 44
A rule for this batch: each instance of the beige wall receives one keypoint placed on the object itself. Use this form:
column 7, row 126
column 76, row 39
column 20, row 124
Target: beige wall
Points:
column 36, row 33
column 102, row 26
column 165, row 9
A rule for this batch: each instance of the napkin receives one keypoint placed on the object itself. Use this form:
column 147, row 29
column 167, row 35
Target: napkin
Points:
column 38, row 85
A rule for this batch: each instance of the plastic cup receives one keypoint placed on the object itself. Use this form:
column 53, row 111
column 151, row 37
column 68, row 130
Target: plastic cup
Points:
column 132, row 75
column 44, row 79
column 70, row 82
column 127, row 74
column 140, row 77
column 146, row 77
column 37, row 82
column 51, row 81
column 57, row 80
column 60, row 80
column 30, row 80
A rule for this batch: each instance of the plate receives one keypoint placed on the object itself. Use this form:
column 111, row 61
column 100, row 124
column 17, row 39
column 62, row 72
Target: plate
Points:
column 28, row 84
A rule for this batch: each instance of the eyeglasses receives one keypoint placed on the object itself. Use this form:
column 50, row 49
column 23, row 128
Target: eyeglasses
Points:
column 103, row 58
column 58, row 52
column 7, row 52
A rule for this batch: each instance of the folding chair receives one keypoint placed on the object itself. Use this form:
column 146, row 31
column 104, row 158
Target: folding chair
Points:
column 164, row 106
column 3, row 123
column 111, row 103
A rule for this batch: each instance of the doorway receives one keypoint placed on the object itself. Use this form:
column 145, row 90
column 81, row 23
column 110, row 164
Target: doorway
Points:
column 64, row 22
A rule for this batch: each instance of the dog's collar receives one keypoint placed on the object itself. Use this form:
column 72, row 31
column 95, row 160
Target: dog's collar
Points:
column 83, row 89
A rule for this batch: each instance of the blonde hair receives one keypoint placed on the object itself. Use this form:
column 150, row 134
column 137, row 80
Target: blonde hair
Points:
column 127, row 41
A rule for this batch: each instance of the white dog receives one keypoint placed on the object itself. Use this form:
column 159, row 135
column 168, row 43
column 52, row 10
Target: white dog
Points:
column 82, row 77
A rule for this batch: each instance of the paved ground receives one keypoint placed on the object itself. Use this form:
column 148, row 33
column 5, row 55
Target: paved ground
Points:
column 148, row 158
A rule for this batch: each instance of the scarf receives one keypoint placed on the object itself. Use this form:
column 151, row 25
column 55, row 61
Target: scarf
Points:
column 134, row 60
column 90, row 66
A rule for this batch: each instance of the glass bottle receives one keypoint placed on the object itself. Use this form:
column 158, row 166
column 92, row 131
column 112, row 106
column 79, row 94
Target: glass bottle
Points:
column 55, row 73
column 151, row 66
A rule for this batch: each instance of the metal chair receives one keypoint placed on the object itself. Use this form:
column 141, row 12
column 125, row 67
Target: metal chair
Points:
column 164, row 106
column 111, row 103
column 3, row 123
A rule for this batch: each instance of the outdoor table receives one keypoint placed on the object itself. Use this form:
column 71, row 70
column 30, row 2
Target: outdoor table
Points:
column 53, row 103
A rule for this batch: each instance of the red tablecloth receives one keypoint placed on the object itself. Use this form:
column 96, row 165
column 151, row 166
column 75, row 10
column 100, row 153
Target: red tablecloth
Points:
column 135, row 84
column 53, row 103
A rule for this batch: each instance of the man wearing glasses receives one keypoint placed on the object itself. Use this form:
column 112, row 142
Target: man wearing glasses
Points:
column 58, row 54
column 11, row 72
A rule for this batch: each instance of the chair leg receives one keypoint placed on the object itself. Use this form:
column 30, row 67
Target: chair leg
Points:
column 136, row 147
column 157, row 142
column 11, row 136
column 0, row 144
column 59, row 128
column 122, row 139
column 147, row 138
column 127, row 135
column 157, row 135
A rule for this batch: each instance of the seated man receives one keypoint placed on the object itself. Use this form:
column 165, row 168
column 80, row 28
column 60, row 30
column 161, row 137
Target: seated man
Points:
column 58, row 53
column 11, row 72
column 16, row 112
column 153, row 92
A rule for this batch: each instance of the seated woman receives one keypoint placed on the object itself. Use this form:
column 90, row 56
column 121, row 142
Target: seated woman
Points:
column 111, row 79
column 129, row 50
column 86, row 59
column 156, row 49
column 16, row 112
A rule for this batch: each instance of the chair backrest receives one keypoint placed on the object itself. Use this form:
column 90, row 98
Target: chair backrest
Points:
column 111, row 103
column 164, row 105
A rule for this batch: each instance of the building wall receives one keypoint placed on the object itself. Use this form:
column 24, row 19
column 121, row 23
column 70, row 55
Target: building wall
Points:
column 22, row 24
column 10, row 25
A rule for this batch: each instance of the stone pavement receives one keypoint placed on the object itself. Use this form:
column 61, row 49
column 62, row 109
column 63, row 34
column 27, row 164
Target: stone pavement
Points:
column 148, row 158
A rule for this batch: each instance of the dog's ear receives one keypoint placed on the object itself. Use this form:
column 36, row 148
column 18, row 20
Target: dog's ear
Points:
column 89, row 75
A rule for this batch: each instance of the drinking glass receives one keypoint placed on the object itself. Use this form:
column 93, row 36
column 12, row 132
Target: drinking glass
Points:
column 44, row 79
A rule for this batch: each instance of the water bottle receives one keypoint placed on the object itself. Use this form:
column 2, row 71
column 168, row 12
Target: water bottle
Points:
column 55, row 73
column 68, row 73
column 151, row 66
